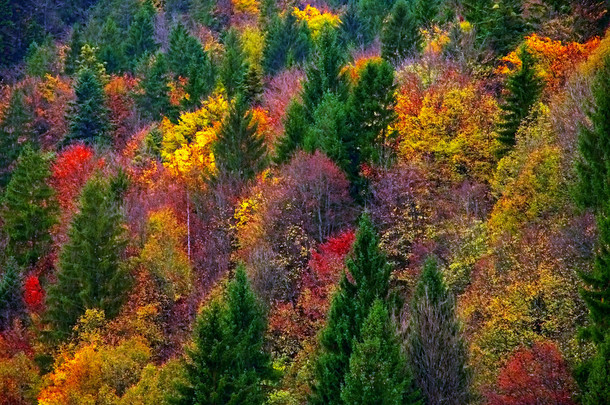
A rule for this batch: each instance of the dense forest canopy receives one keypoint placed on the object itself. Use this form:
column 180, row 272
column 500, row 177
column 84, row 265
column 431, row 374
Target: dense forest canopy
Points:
column 282, row 202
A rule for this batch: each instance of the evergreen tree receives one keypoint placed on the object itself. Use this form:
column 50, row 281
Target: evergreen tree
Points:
column 372, row 14
column 295, row 128
column 30, row 209
column 140, row 42
column 378, row 372
column 88, row 116
column 204, row 12
column 15, row 129
column 268, row 11
column 425, row 11
column 597, row 390
column 76, row 43
column 88, row 60
column 90, row 272
column 10, row 293
column 436, row 349
column 234, row 65
column 354, row 32
column 182, row 48
column 111, row 51
column 239, row 151
column 253, row 85
column 523, row 88
column 228, row 363
column 401, row 37
column 350, row 306
column 153, row 99
column 288, row 42
column 201, row 73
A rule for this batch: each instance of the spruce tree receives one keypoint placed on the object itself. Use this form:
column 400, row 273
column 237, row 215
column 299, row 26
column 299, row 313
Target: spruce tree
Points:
column 288, row 41
column 239, row 151
column 523, row 88
column 372, row 13
column 295, row 128
column 10, row 293
column 201, row 73
column 253, row 85
column 378, row 372
column 111, row 50
column 76, row 43
column 15, row 129
column 153, row 99
column 182, row 47
column 436, row 349
column 268, row 11
column 228, row 363
column 350, row 306
column 90, row 273
column 140, row 42
column 401, row 37
column 597, row 390
column 30, row 209
column 425, row 11
column 234, row 65
column 354, row 32
column 88, row 117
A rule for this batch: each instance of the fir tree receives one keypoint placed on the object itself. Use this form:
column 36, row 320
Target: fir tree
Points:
column 153, row 99
column 10, row 293
column 111, row 51
column 372, row 14
column 204, row 12
column 437, row 351
column 253, row 85
column 88, row 116
column 597, row 390
column 15, row 129
column 378, row 372
column 30, row 209
column 239, row 151
column 425, row 11
column 140, row 42
column 349, row 308
column 295, row 128
column 182, row 48
column 288, row 41
column 523, row 89
column 76, row 43
column 353, row 29
column 401, row 37
column 234, row 66
column 201, row 73
column 268, row 11
column 90, row 273
column 228, row 363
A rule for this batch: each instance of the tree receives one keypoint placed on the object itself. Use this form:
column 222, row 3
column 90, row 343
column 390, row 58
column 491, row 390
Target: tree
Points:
column 111, row 50
column 401, row 37
column 30, row 209
column 76, row 43
column 140, row 41
column 288, row 42
column 201, row 73
column 10, row 292
column 228, row 364
column 378, row 372
column 234, row 66
column 349, row 308
column 425, row 11
column 295, row 128
column 372, row 13
column 90, row 273
column 153, row 99
column 15, row 130
column 88, row 115
column 239, row 151
column 182, row 49
column 598, row 384
column 523, row 88
column 436, row 350
column 253, row 85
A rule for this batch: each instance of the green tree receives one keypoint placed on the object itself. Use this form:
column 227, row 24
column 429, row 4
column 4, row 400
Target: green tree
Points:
column 597, row 390
column 295, row 129
column 201, row 73
column 228, row 363
column 436, row 349
column 76, row 43
column 88, row 115
column 140, row 42
column 10, row 292
column 111, row 50
column 204, row 12
column 234, row 65
column 378, row 372
column 425, row 11
column 372, row 13
column 90, row 273
column 30, row 209
column 288, row 42
column 523, row 88
column 353, row 29
column 239, row 151
column 350, row 306
column 15, row 129
column 253, row 85
column 401, row 37
column 182, row 48
column 153, row 99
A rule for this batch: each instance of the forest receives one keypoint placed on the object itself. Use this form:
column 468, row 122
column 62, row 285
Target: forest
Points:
column 286, row 202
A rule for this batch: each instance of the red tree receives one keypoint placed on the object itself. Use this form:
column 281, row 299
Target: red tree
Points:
column 536, row 376
column 33, row 294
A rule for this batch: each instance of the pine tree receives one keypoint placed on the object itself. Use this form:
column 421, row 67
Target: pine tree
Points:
column 401, row 37
column 90, row 272
column 597, row 390
column 30, row 208
column 15, row 129
column 111, row 51
column 153, row 99
column 436, row 349
column 523, row 88
column 295, row 128
column 378, row 372
column 10, row 293
column 228, row 363
column 76, row 43
column 88, row 116
column 234, row 66
column 140, row 42
column 239, row 151
column 253, row 85
column 350, row 306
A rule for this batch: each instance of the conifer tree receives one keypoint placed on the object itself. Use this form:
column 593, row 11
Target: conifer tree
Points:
column 239, row 151
column 140, row 42
column 10, row 292
column 30, row 209
column 295, row 128
column 523, row 89
column 425, row 11
column 228, row 363
column 350, row 306
column 204, row 12
column 88, row 116
column 76, row 43
column 436, row 349
column 253, row 85
column 268, row 12
column 288, row 42
column 353, row 29
column 234, row 65
column 597, row 390
column 111, row 50
column 401, row 37
column 372, row 13
column 153, row 99
column 182, row 48
column 90, row 273
column 15, row 129
column 378, row 372
column 201, row 73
